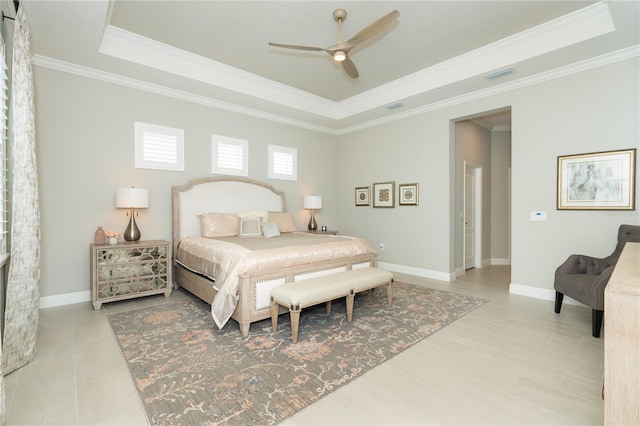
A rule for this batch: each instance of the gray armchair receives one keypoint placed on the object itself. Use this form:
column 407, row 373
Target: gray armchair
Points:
column 584, row 278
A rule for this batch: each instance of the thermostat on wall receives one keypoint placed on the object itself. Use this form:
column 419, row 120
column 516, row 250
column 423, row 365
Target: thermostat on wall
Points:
column 538, row 215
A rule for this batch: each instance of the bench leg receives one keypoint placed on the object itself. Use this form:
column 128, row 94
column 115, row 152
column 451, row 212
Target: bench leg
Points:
column 329, row 307
column 274, row 316
column 295, row 321
column 350, row 297
column 389, row 293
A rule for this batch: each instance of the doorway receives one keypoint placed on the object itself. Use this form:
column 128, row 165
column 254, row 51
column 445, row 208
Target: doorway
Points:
column 482, row 182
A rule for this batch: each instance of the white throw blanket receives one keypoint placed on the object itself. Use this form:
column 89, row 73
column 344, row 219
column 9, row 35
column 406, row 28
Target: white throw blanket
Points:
column 227, row 261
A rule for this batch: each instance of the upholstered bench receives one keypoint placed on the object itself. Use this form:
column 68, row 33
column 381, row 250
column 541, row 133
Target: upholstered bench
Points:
column 312, row 291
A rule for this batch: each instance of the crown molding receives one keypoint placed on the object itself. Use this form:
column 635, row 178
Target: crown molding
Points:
column 618, row 56
column 92, row 73
column 609, row 58
column 564, row 31
column 584, row 24
column 135, row 48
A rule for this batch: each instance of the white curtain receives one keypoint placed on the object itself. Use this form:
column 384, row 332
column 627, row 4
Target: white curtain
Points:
column 3, row 135
column 23, row 292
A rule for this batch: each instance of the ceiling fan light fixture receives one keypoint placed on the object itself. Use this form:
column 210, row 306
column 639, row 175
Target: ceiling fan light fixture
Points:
column 339, row 56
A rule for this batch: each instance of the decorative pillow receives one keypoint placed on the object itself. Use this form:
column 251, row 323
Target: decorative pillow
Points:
column 219, row 225
column 250, row 227
column 284, row 221
column 270, row 229
column 262, row 214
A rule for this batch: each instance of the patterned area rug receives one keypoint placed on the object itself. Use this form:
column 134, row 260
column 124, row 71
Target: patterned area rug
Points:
column 187, row 372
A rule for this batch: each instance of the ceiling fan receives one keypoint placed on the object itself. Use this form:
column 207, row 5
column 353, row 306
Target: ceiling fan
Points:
column 340, row 51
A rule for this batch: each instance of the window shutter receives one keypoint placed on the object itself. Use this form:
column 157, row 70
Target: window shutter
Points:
column 283, row 163
column 159, row 147
column 230, row 156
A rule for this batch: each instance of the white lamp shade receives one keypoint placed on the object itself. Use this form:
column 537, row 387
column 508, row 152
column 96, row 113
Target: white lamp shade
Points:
column 313, row 202
column 137, row 198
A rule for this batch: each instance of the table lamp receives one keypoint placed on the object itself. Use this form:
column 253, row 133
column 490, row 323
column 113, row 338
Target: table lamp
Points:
column 132, row 198
column 313, row 203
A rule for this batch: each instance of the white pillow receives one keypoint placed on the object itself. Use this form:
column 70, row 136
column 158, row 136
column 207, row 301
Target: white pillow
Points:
column 270, row 229
column 250, row 227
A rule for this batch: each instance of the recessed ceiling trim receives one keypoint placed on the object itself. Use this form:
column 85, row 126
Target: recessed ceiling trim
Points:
column 588, row 64
column 145, row 51
column 569, row 29
column 145, row 86
column 564, row 31
column 610, row 58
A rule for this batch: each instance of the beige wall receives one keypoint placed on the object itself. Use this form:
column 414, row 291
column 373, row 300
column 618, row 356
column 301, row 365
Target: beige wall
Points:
column 85, row 151
column 593, row 110
column 501, row 163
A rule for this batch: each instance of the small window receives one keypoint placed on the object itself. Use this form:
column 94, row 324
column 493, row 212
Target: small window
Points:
column 230, row 156
column 159, row 147
column 283, row 163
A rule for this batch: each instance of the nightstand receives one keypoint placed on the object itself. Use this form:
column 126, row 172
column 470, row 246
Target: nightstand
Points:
column 328, row 232
column 129, row 269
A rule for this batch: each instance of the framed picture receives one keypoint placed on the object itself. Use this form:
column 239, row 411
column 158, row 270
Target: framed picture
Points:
column 408, row 194
column 597, row 181
column 362, row 196
column 383, row 194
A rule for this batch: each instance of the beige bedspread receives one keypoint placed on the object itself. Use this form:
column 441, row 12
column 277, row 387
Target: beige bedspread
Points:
column 226, row 259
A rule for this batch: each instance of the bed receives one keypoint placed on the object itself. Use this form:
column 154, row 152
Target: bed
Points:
column 246, row 299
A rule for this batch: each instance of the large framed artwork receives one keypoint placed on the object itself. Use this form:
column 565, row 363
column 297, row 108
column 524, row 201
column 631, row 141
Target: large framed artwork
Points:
column 383, row 195
column 408, row 194
column 362, row 196
column 597, row 181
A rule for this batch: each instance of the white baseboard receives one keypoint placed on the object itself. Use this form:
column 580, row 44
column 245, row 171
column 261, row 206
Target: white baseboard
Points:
column 539, row 293
column 65, row 299
column 419, row 272
column 501, row 261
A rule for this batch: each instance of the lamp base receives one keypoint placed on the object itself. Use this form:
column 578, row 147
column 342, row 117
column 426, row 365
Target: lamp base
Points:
column 132, row 233
column 312, row 222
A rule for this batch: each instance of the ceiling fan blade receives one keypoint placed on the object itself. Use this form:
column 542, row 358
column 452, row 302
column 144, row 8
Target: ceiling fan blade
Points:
column 293, row 46
column 373, row 28
column 350, row 68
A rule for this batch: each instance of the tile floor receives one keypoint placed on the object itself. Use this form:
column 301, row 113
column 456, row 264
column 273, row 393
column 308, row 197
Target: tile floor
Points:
column 512, row 361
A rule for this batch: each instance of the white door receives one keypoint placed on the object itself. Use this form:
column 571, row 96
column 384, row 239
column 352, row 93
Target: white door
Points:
column 469, row 221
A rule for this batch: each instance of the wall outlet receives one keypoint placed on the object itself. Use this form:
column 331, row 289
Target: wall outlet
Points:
column 382, row 246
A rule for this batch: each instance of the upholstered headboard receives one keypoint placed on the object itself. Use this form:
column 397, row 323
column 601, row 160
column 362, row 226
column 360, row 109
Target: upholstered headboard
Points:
column 219, row 195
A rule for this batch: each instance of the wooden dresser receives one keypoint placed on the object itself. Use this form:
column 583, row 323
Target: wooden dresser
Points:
column 622, row 340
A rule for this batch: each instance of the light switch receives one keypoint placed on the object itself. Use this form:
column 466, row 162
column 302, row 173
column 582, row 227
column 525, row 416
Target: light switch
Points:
column 539, row 216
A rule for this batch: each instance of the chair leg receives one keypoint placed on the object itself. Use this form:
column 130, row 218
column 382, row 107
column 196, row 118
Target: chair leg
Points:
column 596, row 322
column 559, row 297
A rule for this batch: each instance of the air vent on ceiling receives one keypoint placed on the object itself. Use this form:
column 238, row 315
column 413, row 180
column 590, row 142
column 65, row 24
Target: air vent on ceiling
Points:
column 501, row 73
column 395, row 106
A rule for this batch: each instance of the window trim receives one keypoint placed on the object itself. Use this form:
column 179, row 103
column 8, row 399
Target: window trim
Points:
column 140, row 163
column 293, row 152
column 217, row 168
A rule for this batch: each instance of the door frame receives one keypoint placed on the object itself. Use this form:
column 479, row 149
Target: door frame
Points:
column 476, row 171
